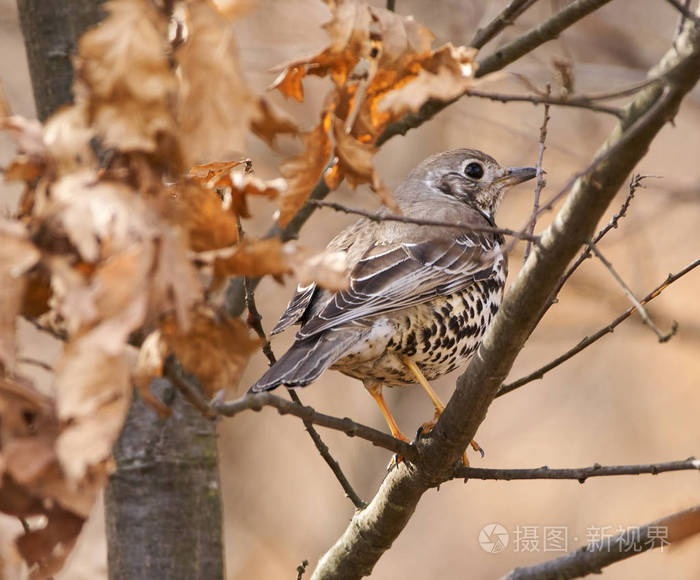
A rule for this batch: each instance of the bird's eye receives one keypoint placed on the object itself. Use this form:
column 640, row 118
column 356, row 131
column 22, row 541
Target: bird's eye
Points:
column 474, row 170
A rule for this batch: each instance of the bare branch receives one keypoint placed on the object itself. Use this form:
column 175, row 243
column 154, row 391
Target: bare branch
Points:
column 635, row 183
column 373, row 530
column 540, row 175
column 506, row 18
column 579, row 102
column 26, row 360
column 592, row 558
column 548, row 30
column 589, row 340
column 687, row 14
column 581, row 474
column 380, row 216
column 633, row 299
column 352, row 429
column 255, row 322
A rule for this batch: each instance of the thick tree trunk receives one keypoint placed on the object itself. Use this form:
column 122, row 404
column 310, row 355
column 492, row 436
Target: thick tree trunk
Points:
column 51, row 30
column 163, row 505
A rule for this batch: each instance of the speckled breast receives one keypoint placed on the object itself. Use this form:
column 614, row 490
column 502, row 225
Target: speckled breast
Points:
column 440, row 336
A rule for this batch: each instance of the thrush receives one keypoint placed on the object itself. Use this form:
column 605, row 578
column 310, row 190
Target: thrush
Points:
column 421, row 297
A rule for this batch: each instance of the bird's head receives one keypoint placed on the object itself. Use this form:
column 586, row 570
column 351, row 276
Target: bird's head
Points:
column 469, row 176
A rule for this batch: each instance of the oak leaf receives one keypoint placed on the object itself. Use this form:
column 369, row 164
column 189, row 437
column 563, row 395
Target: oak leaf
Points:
column 304, row 170
column 215, row 349
column 214, row 105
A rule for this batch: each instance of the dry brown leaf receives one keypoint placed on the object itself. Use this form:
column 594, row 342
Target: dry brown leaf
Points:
column 271, row 257
column 445, row 75
column 233, row 187
column 93, row 393
column 17, row 256
column 304, row 170
column 216, row 349
column 32, row 484
column 214, row 105
column 327, row 269
column 149, row 365
column 251, row 258
column 97, row 217
column 27, row 135
column 124, row 79
column 268, row 122
column 382, row 66
column 199, row 211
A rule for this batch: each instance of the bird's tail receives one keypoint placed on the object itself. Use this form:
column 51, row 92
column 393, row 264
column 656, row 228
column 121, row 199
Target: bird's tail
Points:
column 306, row 360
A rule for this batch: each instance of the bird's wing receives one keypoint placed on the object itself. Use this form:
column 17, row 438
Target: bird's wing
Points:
column 395, row 276
column 296, row 308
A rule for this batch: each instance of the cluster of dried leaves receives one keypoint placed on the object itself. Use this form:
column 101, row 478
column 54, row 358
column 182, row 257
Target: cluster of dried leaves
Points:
column 382, row 66
column 121, row 252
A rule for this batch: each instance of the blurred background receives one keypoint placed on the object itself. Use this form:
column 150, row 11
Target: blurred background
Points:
column 626, row 399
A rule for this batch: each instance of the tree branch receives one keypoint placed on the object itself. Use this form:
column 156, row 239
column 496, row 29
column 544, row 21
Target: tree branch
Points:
column 372, row 531
column 352, row 429
column 633, row 299
column 578, row 102
column 540, row 176
column 548, row 30
column 580, row 474
column 591, row 558
column 255, row 322
column 589, row 340
column 379, row 216
column 506, row 18
column 635, row 183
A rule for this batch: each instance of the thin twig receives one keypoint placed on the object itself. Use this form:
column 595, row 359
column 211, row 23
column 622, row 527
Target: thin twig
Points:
column 352, row 429
column 574, row 102
column 598, row 160
column 35, row 362
column 633, row 299
column 547, row 30
column 57, row 334
column 540, row 179
column 688, row 14
column 506, row 18
column 380, row 216
column 255, row 322
column 581, row 474
column 635, row 183
column 592, row 558
column 682, row 19
column 587, row 341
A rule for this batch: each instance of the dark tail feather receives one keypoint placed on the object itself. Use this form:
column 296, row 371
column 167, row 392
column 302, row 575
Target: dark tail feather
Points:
column 306, row 360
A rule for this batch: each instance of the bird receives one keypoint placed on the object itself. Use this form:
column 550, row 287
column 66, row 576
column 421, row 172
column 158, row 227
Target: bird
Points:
column 420, row 297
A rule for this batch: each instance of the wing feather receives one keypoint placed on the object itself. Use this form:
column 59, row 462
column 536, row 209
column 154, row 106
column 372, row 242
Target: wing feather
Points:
column 391, row 277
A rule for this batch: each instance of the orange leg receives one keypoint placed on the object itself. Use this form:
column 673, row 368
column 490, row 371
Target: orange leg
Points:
column 437, row 403
column 375, row 389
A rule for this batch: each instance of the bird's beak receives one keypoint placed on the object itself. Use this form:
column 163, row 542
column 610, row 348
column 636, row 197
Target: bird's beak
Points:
column 515, row 175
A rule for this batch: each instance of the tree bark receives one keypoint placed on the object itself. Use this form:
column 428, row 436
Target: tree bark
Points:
column 51, row 29
column 162, row 504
